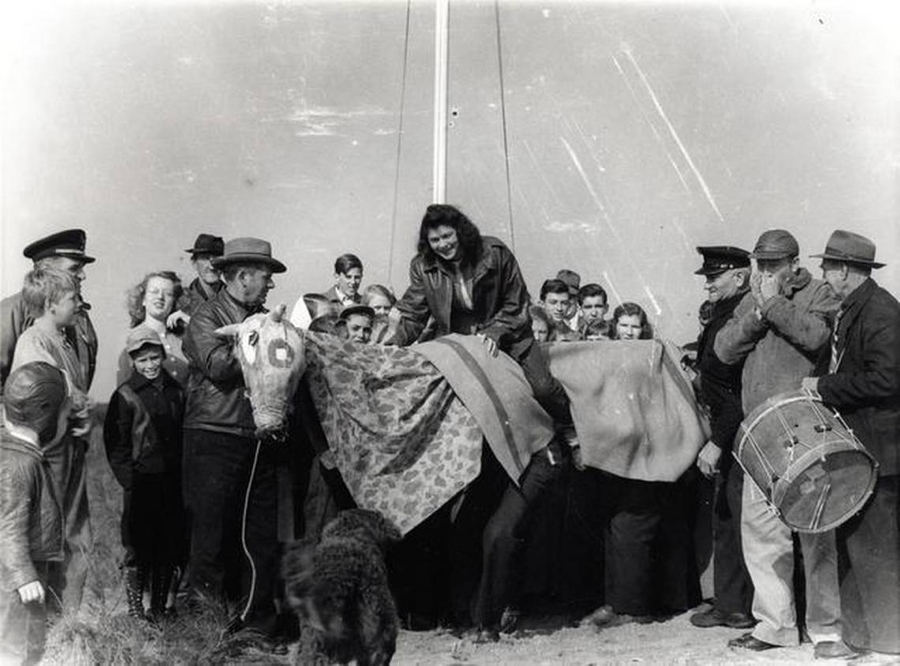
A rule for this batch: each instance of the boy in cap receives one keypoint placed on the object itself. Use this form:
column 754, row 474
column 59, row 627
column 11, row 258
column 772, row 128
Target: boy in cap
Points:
column 358, row 321
column 860, row 377
column 777, row 330
column 31, row 522
column 142, row 434
column 727, row 273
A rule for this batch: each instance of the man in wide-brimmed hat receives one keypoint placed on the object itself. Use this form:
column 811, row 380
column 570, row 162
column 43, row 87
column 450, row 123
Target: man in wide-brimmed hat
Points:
column 860, row 377
column 64, row 251
column 219, row 443
column 777, row 330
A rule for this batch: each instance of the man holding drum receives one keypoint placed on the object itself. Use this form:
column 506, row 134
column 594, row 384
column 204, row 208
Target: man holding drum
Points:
column 777, row 330
column 861, row 379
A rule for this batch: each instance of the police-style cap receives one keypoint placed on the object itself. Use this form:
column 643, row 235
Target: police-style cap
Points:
column 720, row 258
column 69, row 243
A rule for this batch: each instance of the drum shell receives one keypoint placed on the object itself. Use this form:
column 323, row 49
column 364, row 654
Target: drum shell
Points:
column 806, row 461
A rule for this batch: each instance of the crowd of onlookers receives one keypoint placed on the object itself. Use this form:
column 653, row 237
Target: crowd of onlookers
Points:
column 200, row 495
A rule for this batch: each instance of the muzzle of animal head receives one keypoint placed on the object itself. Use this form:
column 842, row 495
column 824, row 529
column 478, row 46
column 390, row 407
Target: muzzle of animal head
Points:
column 271, row 353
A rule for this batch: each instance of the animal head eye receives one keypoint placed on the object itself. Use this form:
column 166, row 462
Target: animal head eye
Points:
column 253, row 338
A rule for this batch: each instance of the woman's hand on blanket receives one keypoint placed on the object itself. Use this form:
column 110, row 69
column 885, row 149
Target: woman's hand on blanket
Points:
column 489, row 343
column 32, row 591
column 708, row 459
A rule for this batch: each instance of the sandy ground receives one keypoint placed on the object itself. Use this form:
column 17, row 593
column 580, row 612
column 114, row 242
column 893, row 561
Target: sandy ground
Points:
column 674, row 641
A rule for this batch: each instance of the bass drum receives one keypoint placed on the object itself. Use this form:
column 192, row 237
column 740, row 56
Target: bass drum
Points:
column 802, row 456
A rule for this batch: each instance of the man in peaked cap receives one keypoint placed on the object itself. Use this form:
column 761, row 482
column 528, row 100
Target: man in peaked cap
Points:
column 777, row 329
column 859, row 375
column 64, row 250
column 727, row 273
column 219, row 445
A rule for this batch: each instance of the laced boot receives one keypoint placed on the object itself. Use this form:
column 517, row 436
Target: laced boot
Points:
column 161, row 581
column 135, row 580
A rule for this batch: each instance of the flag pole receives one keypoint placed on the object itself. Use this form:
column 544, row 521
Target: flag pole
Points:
column 441, row 63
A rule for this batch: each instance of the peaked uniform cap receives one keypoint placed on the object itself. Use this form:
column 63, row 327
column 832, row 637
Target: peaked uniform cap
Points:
column 851, row 248
column 720, row 258
column 69, row 243
column 249, row 251
column 208, row 244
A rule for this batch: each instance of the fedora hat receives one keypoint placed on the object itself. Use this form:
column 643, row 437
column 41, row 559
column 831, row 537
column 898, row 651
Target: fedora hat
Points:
column 208, row 244
column 851, row 248
column 249, row 251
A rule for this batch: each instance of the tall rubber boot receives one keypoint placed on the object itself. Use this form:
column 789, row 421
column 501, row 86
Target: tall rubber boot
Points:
column 135, row 581
column 160, row 582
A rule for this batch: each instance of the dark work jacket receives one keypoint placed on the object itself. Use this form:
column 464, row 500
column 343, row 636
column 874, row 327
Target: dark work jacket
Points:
column 31, row 522
column 216, row 395
column 865, row 389
column 15, row 318
column 142, row 430
column 194, row 296
column 499, row 296
column 720, row 384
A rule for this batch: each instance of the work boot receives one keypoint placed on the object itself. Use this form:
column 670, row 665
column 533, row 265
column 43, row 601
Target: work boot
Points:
column 135, row 581
column 160, row 582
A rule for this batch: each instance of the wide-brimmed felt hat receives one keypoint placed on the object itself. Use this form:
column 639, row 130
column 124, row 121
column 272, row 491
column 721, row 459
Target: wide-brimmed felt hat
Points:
column 208, row 244
column 851, row 248
column 775, row 244
column 69, row 243
column 249, row 251
column 357, row 309
column 141, row 336
column 720, row 258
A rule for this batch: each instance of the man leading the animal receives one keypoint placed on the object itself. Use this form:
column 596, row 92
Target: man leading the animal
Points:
column 220, row 448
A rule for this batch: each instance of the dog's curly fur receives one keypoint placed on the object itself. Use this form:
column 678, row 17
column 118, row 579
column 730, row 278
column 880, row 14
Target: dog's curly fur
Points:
column 339, row 589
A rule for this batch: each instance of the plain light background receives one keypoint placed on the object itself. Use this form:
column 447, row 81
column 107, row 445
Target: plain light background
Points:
column 634, row 131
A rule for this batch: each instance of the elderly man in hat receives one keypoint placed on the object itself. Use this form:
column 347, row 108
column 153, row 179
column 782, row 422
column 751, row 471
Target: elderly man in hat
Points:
column 220, row 467
column 860, row 377
column 65, row 251
column 777, row 330
column 727, row 273
column 207, row 248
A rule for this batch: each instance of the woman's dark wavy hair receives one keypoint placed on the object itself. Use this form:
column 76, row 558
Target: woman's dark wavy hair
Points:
column 469, row 236
column 627, row 310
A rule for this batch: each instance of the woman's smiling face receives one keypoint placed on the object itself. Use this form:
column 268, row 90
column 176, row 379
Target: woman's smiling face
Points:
column 444, row 241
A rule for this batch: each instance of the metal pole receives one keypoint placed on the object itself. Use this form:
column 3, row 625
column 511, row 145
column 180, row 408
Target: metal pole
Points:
column 441, row 60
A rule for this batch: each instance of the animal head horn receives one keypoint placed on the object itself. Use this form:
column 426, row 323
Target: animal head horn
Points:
column 229, row 331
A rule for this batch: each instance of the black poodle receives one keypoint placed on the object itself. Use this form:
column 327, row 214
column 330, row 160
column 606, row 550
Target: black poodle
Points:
column 339, row 589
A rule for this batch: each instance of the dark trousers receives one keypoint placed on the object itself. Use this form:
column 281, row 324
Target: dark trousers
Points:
column 868, row 548
column 501, row 561
column 633, row 524
column 547, row 390
column 731, row 581
column 217, row 469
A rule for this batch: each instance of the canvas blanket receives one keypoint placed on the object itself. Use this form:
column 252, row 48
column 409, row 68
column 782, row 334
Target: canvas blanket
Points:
column 634, row 410
column 402, row 440
column 495, row 390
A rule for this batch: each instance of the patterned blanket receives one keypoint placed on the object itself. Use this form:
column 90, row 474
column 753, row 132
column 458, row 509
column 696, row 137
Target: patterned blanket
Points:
column 401, row 439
